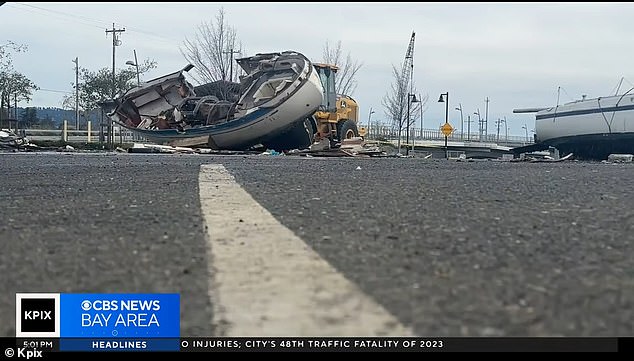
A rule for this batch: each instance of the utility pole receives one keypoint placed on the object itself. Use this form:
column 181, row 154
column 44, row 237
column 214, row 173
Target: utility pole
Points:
column 486, row 120
column 115, row 43
column 76, row 61
column 231, row 52
column 498, row 134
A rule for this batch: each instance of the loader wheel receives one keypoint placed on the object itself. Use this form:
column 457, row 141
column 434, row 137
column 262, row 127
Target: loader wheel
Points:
column 299, row 136
column 347, row 129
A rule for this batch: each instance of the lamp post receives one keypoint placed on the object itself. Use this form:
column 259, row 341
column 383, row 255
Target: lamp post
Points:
column 469, row 127
column 446, row 101
column 461, row 120
column 369, row 117
column 526, row 130
column 413, row 100
column 421, row 120
column 136, row 64
column 479, row 125
column 76, row 61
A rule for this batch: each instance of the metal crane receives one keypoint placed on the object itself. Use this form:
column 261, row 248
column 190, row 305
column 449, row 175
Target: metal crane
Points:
column 405, row 86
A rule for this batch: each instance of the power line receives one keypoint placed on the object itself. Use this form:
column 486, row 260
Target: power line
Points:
column 101, row 23
column 55, row 91
column 74, row 16
column 64, row 19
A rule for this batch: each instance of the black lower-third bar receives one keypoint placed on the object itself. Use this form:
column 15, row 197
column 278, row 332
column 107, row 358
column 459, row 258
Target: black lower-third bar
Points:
column 404, row 344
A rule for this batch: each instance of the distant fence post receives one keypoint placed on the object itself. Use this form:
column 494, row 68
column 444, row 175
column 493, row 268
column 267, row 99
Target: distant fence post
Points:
column 65, row 131
column 88, row 139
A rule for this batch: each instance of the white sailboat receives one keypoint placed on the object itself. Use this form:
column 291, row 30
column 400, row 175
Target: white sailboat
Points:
column 590, row 128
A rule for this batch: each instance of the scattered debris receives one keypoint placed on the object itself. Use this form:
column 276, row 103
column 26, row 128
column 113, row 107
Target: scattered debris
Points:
column 10, row 140
column 620, row 158
column 353, row 147
column 271, row 152
column 155, row 148
column 545, row 159
column 67, row 149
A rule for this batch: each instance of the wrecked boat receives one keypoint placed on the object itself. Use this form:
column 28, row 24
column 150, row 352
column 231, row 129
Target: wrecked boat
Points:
column 10, row 140
column 279, row 92
column 592, row 129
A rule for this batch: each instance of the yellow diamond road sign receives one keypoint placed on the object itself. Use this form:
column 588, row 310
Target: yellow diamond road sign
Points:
column 446, row 129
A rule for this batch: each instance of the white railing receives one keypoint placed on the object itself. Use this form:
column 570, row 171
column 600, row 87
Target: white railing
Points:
column 120, row 135
column 391, row 133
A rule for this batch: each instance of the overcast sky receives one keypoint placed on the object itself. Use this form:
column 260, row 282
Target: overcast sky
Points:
column 517, row 54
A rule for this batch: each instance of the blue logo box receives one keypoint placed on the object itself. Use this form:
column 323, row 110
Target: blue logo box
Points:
column 100, row 316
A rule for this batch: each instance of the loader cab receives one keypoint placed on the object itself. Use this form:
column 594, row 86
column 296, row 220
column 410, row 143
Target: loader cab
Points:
column 326, row 75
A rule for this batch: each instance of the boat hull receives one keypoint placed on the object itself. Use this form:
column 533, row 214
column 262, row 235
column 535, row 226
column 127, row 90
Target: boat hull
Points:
column 280, row 90
column 253, row 128
column 591, row 129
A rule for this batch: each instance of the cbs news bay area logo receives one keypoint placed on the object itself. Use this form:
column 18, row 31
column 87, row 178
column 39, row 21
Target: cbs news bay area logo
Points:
column 128, row 319
column 97, row 315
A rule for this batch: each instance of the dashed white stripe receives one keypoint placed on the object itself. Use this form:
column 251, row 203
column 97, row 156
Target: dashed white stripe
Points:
column 265, row 281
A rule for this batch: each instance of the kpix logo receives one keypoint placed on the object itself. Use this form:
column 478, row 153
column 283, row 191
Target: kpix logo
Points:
column 37, row 315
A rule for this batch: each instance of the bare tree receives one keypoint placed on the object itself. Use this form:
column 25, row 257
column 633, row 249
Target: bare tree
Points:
column 348, row 68
column 395, row 102
column 213, row 51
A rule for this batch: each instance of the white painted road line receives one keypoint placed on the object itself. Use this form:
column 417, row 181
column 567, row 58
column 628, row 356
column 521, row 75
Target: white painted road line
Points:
column 266, row 281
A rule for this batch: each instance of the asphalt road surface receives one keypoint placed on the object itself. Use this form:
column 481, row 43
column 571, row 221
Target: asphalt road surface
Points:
column 448, row 248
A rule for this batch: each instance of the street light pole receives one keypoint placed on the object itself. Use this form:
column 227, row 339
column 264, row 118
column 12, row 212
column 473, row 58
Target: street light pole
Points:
column 413, row 100
column 461, row 120
column 421, row 121
column 369, row 117
column 76, row 61
column 446, row 100
column 479, row 125
column 407, row 131
column 136, row 63
column 469, row 127
column 486, row 120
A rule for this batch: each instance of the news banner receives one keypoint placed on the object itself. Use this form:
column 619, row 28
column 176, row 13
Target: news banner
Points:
column 49, row 324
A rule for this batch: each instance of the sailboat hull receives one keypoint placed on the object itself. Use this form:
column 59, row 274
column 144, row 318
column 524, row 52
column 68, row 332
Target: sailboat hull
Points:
column 591, row 129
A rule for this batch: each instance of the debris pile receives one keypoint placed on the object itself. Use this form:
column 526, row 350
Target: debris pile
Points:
column 353, row 147
column 620, row 158
column 10, row 140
